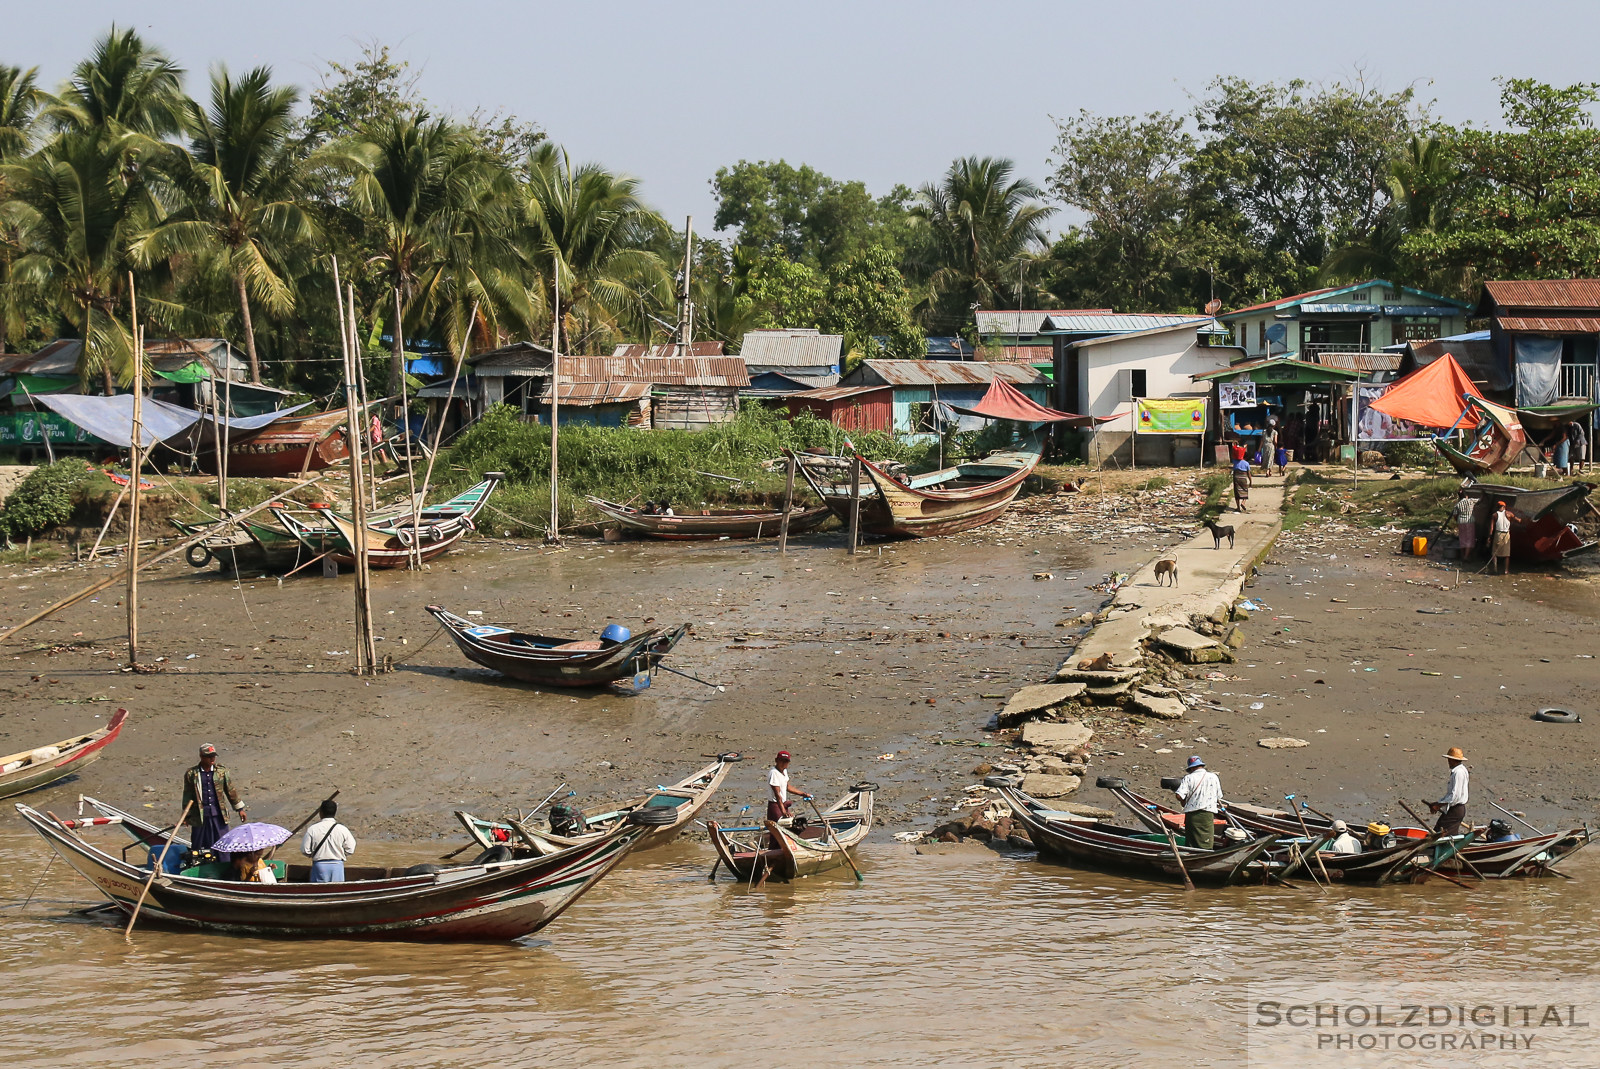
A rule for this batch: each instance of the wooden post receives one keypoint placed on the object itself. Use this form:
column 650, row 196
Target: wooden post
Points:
column 1133, row 438
column 225, row 430
column 405, row 437
column 360, row 474
column 685, row 303
column 369, row 443
column 553, row 532
column 855, row 502
column 788, row 503
column 104, row 527
column 366, row 656
column 135, row 462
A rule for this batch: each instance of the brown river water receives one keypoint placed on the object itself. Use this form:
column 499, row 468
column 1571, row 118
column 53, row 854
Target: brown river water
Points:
column 977, row 960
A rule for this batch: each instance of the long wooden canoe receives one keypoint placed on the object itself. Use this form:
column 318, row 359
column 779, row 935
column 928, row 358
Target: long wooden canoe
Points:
column 784, row 851
column 43, row 765
column 943, row 502
column 473, row 903
column 713, row 523
column 685, row 798
column 558, row 661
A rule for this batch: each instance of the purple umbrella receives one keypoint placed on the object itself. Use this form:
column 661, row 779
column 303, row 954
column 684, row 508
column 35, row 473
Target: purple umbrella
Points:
column 250, row 837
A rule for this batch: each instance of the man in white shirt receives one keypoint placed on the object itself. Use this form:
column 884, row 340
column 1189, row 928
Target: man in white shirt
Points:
column 1200, row 791
column 1343, row 841
column 778, row 807
column 1453, row 806
column 1466, row 524
column 327, row 843
column 1500, row 540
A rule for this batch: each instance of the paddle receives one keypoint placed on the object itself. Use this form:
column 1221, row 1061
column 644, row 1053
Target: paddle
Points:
column 718, row 687
column 1184, row 869
column 1434, row 871
column 1307, row 832
column 156, row 867
column 835, row 837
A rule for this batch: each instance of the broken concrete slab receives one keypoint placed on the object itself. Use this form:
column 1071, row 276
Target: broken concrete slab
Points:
column 1191, row 646
column 1063, row 737
column 1078, row 809
column 1283, row 743
column 1068, row 674
column 1043, row 785
column 1161, row 708
column 1108, row 695
column 1037, row 698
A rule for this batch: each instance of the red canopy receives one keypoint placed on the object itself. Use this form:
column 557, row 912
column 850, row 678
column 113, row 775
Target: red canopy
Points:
column 1005, row 401
column 1430, row 396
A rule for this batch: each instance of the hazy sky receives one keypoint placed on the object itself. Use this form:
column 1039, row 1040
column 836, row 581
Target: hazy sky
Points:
column 882, row 92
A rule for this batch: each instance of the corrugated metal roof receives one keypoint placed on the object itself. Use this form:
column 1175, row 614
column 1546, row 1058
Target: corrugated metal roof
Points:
column 791, row 348
column 1119, row 323
column 59, row 357
column 669, row 349
column 1027, row 321
column 1204, row 325
column 518, row 356
column 1360, row 361
column 215, row 352
column 940, row 372
column 1023, row 354
column 836, row 393
column 1296, row 298
column 1546, row 293
column 598, row 393
column 657, row 371
column 1276, row 361
column 1551, row 324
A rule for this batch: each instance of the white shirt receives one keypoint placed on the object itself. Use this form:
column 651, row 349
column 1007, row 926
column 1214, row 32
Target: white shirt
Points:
column 1345, row 844
column 779, row 780
column 1456, row 792
column 1502, row 523
column 1201, row 791
column 340, row 845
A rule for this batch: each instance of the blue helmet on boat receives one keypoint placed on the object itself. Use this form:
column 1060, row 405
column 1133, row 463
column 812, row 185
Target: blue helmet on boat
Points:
column 615, row 633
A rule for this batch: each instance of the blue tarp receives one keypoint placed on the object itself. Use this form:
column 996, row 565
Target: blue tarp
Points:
column 111, row 419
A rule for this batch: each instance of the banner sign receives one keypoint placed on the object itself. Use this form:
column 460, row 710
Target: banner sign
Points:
column 1240, row 394
column 30, row 428
column 1170, row 415
column 1374, row 426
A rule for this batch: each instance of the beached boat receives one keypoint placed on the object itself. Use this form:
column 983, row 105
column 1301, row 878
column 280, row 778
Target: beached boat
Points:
column 685, row 798
column 490, row 901
column 798, row 847
column 943, row 502
column 436, row 521
column 286, row 448
column 246, row 544
column 1497, row 439
column 713, row 523
column 1544, row 520
column 391, row 535
column 558, row 661
column 43, row 765
column 1104, row 845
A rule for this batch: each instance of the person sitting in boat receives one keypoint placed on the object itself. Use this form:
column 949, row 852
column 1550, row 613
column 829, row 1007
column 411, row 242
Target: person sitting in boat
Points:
column 204, row 787
column 1500, row 831
column 1343, row 841
column 649, row 508
column 328, row 843
column 252, row 868
column 665, row 509
column 1200, row 791
column 778, row 807
column 614, row 635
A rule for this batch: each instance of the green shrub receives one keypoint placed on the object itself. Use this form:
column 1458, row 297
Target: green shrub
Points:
column 1412, row 455
column 44, row 499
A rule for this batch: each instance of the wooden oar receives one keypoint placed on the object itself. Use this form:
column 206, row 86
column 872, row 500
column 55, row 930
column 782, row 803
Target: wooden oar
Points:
column 300, row 827
column 1184, row 869
column 1307, row 832
column 836, row 843
column 1458, row 854
column 159, row 863
column 1434, row 871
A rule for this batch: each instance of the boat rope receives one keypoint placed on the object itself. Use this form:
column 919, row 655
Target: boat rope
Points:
column 511, row 519
column 419, row 649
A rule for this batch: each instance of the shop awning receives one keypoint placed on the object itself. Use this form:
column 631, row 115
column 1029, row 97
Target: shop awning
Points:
column 1431, row 396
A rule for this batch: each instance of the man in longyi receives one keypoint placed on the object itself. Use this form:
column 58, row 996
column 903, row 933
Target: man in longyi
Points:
column 1200, row 791
column 1452, row 808
column 206, row 785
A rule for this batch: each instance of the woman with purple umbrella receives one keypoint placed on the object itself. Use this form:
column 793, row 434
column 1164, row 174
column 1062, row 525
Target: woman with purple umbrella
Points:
column 248, row 843
column 205, row 785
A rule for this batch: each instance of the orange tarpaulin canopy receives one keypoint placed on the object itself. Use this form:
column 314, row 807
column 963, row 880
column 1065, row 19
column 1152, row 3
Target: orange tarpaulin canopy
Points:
column 1005, row 401
column 1430, row 396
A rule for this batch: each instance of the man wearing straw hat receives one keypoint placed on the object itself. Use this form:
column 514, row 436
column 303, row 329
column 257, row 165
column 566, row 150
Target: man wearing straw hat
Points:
column 1453, row 806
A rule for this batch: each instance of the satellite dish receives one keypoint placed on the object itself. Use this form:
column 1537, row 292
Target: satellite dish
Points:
column 1277, row 332
column 1213, row 306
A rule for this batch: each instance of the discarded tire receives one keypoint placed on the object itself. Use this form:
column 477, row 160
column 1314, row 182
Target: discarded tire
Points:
column 422, row 870
column 1111, row 783
column 197, row 555
column 494, row 855
column 653, row 816
column 864, row 787
column 1558, row 716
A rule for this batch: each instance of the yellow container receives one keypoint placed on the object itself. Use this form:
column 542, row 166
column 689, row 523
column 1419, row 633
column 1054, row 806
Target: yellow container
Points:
column 1419, row 545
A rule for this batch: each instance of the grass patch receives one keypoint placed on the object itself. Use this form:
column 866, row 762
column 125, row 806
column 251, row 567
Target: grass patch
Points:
column 1216, row 487
column 1378, row 502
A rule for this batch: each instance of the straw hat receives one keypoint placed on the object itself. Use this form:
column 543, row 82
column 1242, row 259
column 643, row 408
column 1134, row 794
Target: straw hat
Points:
column 1455, row 754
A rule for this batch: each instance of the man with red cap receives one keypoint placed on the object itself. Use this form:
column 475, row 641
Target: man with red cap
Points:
column 206, row 785
column 778, row 783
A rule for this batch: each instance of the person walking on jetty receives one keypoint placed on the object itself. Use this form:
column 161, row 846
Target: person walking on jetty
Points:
column 328, row 843
column 1200, row 791
column 1466, row 524
column 1500, row 541
column 1241, row 484
column 1453, row 806
column 778, row 807
column 206, row 785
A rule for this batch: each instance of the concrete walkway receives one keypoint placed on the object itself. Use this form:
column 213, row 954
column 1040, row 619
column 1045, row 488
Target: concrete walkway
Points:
column 1208, row 579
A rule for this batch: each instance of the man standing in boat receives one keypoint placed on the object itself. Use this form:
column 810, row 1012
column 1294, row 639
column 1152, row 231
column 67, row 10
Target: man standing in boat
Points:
column 206, row 785
column 1453, row 806
column 778, row 807
column 328, row 843
column 1200, row 791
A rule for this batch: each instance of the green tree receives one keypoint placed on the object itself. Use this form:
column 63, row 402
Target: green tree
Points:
column 785, row 293
column 589, row 228
column 1529, row 196
column 805, row 216
column 124, row 86
column 240, row 187
column 983, row 225
column 867, row 299
column 20, row 101
column 1423, row 186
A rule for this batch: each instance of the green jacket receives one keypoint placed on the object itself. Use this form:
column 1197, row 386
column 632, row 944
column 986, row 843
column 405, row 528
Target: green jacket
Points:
column 191, row 792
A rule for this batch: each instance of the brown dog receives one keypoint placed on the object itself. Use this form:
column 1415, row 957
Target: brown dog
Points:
column 1165, row 568
column 1095, row 664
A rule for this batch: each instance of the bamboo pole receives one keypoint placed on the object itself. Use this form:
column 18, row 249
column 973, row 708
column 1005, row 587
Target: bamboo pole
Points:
column 405, row 437
column 156, row 867
column 855, row 503
column 120, row 574
column 226, row 430
column 366, row 435
column 438, row 432
column 366, row 654
column 553, row 533
column 135, row 462
column 788, row 503
column 104, row 527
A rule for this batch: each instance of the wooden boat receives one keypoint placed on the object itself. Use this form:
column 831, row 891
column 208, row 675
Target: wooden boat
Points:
column 286, row 448
column 1497, row 440
column 1543, row 520
column 686, row 799
column 943, row 502
column 247, row 544
column 787, row 850
column 1104, row 845
column 43, row 765
column 554, row 661
column 489, row 901
column 713, row 523
column 436, row 521
column 336, row 536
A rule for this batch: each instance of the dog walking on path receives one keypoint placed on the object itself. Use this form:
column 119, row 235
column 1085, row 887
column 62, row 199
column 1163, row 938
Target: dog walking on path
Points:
column 1165, row 568
column 1218, row 533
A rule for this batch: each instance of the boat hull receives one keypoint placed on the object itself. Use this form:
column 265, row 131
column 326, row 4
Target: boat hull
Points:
column 923, row 509
column 79, row 753
column 516, row 655
column 788, row 855
column 721, row 523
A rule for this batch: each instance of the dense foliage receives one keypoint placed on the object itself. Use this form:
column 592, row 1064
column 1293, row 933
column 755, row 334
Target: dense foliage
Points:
column 45, row 499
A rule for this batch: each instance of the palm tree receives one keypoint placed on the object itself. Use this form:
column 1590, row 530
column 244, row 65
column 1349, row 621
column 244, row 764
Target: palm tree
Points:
column 590, row 228
column 20, row 100
column 125, row 86
column 1421, row 184
column 80, row 211
column 981, row 224
column 431, row 193
column 239, row 187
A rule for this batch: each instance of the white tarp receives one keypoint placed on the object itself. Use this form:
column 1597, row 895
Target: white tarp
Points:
column 1538, row 370
column 111, row 418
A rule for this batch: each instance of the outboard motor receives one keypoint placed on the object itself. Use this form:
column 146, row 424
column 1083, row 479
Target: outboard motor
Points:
column 567, row 821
